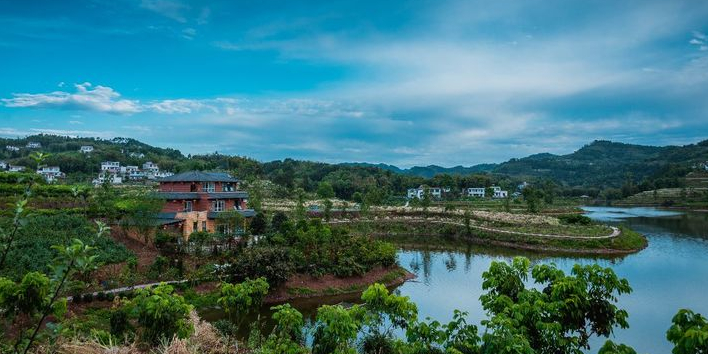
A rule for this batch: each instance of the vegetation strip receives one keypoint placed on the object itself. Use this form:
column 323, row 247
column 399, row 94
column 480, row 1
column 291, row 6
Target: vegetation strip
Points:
column 615, row 231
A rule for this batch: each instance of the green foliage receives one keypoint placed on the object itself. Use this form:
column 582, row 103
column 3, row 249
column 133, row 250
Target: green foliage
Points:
column 32, row 249
column 161, row 314
column 259, row 224
column 611, row 348
column 688, row 333
column 575, row 219
column 325, row 190
column 336, row 330
column 563, row 315
column 287, row 335
column 273, row 264
column 238, row 299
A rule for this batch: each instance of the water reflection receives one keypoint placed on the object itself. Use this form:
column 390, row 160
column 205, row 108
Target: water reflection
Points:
column 670, row 274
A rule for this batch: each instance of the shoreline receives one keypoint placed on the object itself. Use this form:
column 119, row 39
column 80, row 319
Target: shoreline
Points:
column 302, row 286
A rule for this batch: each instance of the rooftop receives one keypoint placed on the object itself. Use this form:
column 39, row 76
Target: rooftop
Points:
column 199, row 176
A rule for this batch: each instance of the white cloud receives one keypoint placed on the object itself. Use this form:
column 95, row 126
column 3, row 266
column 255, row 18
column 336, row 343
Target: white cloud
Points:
column 189, row 33
column 76, row 122
column 169, row 8
column 98, row 98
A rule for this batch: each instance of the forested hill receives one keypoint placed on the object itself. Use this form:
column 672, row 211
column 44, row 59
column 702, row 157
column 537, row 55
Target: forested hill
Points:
column 431, row 170
column 597, row 166
column 609, row 164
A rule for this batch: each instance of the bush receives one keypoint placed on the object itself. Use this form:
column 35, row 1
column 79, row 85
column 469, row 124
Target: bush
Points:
column 88, row 297
column 274, row 264
column 119, row 322
column 161, row 314
column 377, row 343
column 575, row 219
column 101, row 296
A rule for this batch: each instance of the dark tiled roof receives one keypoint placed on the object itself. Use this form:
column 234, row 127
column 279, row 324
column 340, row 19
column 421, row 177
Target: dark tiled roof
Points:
column 199, row 176
column 196, row 195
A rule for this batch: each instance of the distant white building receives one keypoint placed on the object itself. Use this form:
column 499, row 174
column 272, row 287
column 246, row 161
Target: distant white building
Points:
column 435, row 192
column 12, row 148
column 13, row 168
column 475, row 192
column 139, row 155
column 110, row 166
column 151, row 167
column 163, row 174
column 522, row 185
column 34, row 145
column 136, row 175
column 86, row 149
column 50, row 173
column 3, row 165
column 499, row 193
column 111, row 178
column 480, row 192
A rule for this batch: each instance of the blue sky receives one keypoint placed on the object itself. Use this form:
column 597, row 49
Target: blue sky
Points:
column 400, row 82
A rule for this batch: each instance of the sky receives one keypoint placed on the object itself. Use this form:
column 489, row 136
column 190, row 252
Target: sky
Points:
column 400, row 82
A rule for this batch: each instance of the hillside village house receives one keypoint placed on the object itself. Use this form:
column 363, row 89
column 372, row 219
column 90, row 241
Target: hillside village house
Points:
column 435, row 192
column 110, row 166
column 12, row 148
column 50, row 173
column 108, row 177
column 33, row 145
column 13, row 168
column 86, row 149
column 480, row 192
column 151, row 167
column 195, row 199
column 3, row 165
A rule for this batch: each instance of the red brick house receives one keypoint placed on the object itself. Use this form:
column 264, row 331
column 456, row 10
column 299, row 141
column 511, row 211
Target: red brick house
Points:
column 194, row 200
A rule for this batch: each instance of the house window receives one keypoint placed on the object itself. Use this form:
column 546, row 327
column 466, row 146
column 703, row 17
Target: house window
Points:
column 223, row 229
column 204, row 226
column 208, row 187
column 228, row 187
column 188, row 205
column 195, row 227
column 217, row 205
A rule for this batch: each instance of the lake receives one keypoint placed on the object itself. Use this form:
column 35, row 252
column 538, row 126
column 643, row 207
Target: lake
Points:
column 670, row 274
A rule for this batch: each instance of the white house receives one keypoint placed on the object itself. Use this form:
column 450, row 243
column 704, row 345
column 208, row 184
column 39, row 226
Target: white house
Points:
column 86, row 149
column 12, row 148
column 475, row 192
column 163, row 174
column 522, row 185
column 139, row 155
column 435, row 192
column 3, row 165
column 110, row 166
column 480, row 192
column 151, row 167
column 136, row 175
column 33, row 145
column 12, row 168
column 499, row 193
column 50, row 173
column 111, row 178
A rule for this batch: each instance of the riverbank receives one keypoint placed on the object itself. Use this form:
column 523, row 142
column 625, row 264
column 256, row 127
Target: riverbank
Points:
column 619, row 241
column 302, row 286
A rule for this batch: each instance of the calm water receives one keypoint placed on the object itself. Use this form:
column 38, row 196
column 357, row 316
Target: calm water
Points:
column 670, row 274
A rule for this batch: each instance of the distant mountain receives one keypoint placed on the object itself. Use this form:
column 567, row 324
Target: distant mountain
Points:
column 429, row 171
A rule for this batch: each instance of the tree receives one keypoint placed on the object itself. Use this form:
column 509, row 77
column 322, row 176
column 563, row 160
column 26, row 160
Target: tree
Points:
column 238, row 300
column 37, row 296
column 532, row 196
column 139, row 212
column 688, row 333
column 325, row 190
column 549, row 191
column 161, row 314
column 258, row 224
column 327, row 209
column 300, row 213
column 562, row 315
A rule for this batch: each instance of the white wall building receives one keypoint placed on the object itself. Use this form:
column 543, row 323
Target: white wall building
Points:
column 110, row 166
column 3, row 165
column 33, row 145
column 12, row 148
column 12, row 168
column 475, row 192
column 50, row 173
column 111, row 178
column 435, row 192
column 86, row 149
column 151, row 167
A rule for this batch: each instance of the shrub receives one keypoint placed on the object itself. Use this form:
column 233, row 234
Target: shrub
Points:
column 161, row 314
column 274, row 264
column 575, row 219
column 88, row 297
column 101, row 296
column 119, row 322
